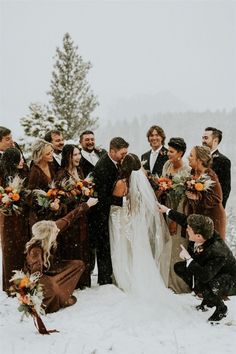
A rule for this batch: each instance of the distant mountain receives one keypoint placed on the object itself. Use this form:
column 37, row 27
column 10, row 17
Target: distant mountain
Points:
column 137, row 106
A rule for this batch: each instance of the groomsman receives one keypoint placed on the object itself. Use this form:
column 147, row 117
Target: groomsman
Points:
column 55, row 137
column 6, row 140
column 221, row 164
column 209, row 267
column 90, row 154
column 105, row 174
column 154, row 159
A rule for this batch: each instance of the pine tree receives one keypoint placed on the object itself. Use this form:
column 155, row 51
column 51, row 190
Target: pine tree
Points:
column 71, row 97
column 36, row 124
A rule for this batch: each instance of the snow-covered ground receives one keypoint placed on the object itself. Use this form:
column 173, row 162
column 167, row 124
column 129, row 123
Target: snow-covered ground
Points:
column 105, row 320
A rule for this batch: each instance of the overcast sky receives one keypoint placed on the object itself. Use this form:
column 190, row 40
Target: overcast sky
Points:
column 187, row 48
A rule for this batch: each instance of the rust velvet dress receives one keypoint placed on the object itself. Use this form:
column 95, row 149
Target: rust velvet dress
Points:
column 39, row 180
column 14, row 230
column 73, row 243
column 60, row 279
column 210, row 204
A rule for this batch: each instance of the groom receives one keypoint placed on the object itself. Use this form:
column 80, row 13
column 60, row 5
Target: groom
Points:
column 105, row 174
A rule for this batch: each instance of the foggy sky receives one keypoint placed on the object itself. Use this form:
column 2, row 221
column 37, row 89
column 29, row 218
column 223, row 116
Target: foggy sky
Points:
column 137, row 49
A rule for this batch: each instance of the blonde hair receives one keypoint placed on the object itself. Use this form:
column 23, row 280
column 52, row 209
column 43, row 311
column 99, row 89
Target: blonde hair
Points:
column 203, row 153
column 38, row 149
column 44, row 233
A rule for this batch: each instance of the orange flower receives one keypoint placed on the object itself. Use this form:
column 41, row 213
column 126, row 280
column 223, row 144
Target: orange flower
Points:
column 8, row 189
column 15, row 196
column 199, row 186
column 49, row 192
column 79, row 184
column 24, row 282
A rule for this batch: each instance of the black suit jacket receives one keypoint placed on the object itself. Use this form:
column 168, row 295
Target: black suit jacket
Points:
column 86, row 165
column 161, row 159
column 215, row 257
column 105, row 174
column 222, row 167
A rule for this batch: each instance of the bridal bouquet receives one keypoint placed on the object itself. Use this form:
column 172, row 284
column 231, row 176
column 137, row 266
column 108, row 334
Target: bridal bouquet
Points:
column 52, row 199
column 201, row 184
column 29, row 293
column 12, row 196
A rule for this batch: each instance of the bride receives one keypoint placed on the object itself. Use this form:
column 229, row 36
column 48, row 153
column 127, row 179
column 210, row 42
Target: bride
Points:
column 139, row 238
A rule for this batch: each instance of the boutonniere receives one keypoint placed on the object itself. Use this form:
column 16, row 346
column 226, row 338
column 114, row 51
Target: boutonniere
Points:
column 163, row 153
column 98, row 149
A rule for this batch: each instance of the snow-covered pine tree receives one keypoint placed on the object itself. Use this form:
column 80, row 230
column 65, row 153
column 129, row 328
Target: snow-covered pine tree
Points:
column 37, row 123
column 71, row 97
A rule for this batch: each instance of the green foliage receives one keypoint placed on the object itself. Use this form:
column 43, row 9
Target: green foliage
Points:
column 71, row 97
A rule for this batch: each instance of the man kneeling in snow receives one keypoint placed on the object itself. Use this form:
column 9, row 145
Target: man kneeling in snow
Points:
column 209, row 266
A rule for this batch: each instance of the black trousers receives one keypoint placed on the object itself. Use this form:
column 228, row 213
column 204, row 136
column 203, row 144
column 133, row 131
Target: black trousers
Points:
column 214, row 290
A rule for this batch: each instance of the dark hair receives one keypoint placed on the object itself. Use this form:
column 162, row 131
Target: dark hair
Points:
column 118, row 143
column 159, row 130
column 203, row 153
column 48, row 135
column 130, row 163
column 85, row 133
column 178, row 144
column 9, row 162
column 67, row 154
column 201, row 224
column 215, row 132
column 4, row 132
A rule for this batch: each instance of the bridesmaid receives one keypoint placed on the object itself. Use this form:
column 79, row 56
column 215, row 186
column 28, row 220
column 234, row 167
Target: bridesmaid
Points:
column 74, row 242
column 14, row 228
column 58, row 277
column 41, row 175
column 208, row 202
column 174, row 166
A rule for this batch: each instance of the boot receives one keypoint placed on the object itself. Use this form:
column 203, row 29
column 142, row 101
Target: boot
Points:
column 220, row 312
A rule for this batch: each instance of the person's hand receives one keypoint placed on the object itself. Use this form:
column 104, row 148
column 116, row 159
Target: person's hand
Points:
column 162, row 208
column 191, row 195
column 184, row 253
column 92, row 201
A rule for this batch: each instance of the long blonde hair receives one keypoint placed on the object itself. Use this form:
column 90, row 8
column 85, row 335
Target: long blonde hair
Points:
column 45, row 234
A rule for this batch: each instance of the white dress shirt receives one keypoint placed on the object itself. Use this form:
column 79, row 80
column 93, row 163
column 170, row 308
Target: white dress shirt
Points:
column 153, row 157
column 92, row 157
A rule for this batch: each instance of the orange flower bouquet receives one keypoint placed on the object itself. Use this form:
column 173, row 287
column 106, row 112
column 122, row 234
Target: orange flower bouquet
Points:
column 12, row 196
column 52, row 199
column 29, row 293
column 201, row 184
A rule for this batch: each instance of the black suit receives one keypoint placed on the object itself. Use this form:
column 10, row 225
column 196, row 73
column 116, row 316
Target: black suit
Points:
column 213, row 267
column 222, row 166
column 161, row 159
column 86, row 166
column 105, row 174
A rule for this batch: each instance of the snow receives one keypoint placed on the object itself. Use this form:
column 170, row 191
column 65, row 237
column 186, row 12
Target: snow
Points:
column 106, row 320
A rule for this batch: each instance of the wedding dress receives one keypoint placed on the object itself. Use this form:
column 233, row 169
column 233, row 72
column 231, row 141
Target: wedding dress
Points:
column 139, row 240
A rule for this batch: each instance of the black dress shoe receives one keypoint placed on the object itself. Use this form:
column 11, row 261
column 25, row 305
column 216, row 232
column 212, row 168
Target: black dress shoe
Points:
column 202, row 308
column 220, row 312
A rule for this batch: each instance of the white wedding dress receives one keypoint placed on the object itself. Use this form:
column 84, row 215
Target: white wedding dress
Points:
column 140, row 241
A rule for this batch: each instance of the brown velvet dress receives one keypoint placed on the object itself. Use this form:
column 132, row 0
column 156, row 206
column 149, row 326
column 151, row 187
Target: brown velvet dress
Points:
column 210, row 205
column 74, row 243
column 38, row 180
column 60, row 280
column 14, row 230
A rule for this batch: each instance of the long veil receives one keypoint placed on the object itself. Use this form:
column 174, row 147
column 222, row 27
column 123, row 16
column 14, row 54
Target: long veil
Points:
column 148, row 221
column 151, row 241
